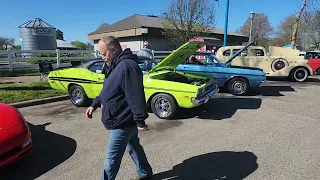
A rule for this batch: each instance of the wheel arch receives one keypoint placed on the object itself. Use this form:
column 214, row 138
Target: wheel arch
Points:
column 76, row 84
column 154, row 94
column 237, row 76
column 306, row 68
column 316, row 71
column 72, row 84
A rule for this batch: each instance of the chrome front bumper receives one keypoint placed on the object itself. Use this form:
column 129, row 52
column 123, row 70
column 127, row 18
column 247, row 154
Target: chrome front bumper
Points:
column 205, row 98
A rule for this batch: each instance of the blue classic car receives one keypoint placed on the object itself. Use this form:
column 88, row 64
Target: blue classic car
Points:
column 237, row 80
column 146, row 64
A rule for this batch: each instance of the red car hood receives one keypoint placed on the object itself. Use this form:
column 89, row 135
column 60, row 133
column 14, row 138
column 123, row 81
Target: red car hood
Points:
column 9, row 118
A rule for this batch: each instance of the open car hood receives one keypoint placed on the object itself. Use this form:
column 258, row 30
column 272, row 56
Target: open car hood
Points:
column 237, row 53
column 179, row 55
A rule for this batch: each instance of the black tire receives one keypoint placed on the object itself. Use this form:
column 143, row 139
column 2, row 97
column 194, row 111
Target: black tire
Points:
column 299, row 74
column 81, row 99
column 318, row 71
column 163, row 106
column 238, row 86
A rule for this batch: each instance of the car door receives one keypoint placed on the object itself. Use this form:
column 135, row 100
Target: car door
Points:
column 258, row 59
column 97, row 76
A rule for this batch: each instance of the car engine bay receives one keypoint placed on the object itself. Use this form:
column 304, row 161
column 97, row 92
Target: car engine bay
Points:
column 182, row 78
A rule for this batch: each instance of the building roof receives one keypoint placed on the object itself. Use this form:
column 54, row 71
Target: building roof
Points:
column 64, row 44
column 140, row 21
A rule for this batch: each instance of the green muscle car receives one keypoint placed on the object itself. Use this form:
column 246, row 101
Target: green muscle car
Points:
column 165, row 89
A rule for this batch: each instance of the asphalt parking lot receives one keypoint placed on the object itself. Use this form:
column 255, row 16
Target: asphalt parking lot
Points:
column 272, row 133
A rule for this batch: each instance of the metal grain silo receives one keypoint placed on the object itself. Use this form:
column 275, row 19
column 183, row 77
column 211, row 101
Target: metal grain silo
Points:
column 37, row 34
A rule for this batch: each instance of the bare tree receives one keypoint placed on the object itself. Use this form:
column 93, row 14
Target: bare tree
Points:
column 312, row 28
column 6, row 42
column 261, row 28
column 59, row 35
column 296, row 24
column 285, row 29
column 186, row 19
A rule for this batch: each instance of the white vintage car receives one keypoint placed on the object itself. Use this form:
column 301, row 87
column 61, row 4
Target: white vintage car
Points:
column 281, row 62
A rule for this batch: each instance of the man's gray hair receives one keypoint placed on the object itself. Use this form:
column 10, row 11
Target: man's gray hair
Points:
column 110, row 42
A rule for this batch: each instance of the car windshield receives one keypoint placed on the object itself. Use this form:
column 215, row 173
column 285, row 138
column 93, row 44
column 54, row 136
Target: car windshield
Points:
column 85, row 64
column 215, row 60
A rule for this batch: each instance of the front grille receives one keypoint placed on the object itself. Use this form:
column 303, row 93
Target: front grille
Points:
column 207, row 88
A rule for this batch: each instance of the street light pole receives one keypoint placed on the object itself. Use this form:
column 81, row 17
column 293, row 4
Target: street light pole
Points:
column 251, row 19
column 226, row 24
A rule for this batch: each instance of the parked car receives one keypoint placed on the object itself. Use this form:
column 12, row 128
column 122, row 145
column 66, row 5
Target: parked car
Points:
column 237, row 80
column 313, row 58
column 279, row 61
column 165, row 89
column 15, row 135
column 146, row 64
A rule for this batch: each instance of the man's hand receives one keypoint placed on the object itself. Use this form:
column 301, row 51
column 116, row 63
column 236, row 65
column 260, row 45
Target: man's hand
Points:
column 89, row 112
column 145, row 128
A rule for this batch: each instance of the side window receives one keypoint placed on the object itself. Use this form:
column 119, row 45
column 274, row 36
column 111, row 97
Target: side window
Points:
column 243, row 53
column 207, row 61
column 96, row 66
column 257, row 52
column 227, row 52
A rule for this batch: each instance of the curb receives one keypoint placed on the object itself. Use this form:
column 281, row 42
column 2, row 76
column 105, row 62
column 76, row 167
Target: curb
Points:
column 39, row 101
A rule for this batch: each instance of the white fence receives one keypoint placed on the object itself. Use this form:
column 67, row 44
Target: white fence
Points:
column 18, row 59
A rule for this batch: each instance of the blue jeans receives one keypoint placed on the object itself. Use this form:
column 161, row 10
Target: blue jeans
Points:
column 121, row 140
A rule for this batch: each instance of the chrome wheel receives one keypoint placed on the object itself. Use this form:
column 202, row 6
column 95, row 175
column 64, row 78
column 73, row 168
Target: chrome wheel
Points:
column 163, row 107
column 300, row 74
column 239, row 87
column 76, row 95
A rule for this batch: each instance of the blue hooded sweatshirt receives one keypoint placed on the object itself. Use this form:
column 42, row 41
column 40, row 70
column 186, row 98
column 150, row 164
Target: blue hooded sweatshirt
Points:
column 122, row 98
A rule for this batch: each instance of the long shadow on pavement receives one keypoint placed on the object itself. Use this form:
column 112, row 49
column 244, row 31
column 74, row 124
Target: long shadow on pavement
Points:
column 220, row 108
column 226, row 165
column 49, row 150
column 270, row 91
column 310, row 80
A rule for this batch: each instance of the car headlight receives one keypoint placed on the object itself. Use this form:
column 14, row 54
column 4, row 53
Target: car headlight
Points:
column 27, row 142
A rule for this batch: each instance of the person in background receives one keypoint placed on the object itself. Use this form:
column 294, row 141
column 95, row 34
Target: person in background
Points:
column 146, row 51
column 147, row 54
column 214, row 50
column 123, row 107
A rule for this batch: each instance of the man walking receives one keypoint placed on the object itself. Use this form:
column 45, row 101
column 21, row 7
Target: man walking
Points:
column 123, row 107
